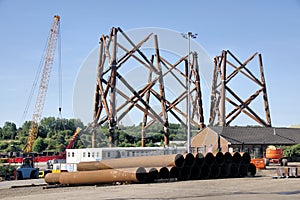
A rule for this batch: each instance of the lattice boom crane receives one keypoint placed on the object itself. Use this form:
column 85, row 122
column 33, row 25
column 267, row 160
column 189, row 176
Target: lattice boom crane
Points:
column 41, row 96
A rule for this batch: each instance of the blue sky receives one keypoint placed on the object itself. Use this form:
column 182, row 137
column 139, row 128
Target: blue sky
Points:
column 271, row 27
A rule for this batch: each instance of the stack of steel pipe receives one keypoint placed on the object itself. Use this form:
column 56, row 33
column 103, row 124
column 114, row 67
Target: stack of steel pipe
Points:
column 219, row 165
column 131, row 169
column 153, row 168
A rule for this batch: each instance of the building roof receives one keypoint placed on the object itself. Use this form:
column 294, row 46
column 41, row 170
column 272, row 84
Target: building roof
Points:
column 209, row 139
column 259, row 135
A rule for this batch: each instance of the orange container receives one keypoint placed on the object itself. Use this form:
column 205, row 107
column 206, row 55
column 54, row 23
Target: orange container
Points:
column 274, row 153
column 258, row 162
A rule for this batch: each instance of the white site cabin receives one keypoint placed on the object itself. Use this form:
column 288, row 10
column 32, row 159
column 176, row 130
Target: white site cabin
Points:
column 97, row 154
column 75, row 156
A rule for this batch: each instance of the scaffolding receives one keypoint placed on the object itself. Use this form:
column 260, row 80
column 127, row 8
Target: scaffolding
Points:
column 115, row 58
column 223, row 94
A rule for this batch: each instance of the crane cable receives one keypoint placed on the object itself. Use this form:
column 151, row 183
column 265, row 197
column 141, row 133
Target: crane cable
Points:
column 59, row 75
column 34, row 84
column 59, row 118
column 37, row 78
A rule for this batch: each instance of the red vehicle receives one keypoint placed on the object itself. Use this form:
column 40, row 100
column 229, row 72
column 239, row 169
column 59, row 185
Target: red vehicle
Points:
column 36, row 158
column 275, row 155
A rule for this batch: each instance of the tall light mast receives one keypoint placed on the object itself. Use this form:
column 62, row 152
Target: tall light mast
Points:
column 188, row 36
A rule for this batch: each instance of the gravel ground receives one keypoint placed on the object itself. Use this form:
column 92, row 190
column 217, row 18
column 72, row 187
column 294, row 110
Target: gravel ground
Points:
column 262, row 186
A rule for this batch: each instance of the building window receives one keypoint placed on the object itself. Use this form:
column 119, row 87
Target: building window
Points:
column 201, row 150
column 193, row 149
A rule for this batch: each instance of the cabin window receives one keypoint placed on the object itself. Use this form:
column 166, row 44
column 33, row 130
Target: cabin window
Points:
column 68, row 154
column 108, row 154
column 73, row 154
column 133, row 154
column 97, row 154
column 89, row 154
column 93, row 154
column 83, row 154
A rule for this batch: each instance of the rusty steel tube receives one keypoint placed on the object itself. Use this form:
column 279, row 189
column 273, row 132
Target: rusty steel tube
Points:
column 163, row 173
column 219, row 158
column 215, row 171
column 189, row 159
column 199, row 159
column 209, row 158
column 234, row 170
column 241, row 157
column 246, row 158
column 236, row 158
column 103, row 176
column 228, row 157
column 52, row 178
column 224, row 170
column 143, row 161
column 184, row 173
column 152, row 174
column 251, row 169
column 158, row 172
column 195, row 172
column 243, row 170
column 174, row 172
column 205, row 171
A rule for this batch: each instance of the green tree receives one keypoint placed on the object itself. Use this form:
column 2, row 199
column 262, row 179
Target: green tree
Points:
column 47, row 124
column 43, row 132
column 3, row 145
column 25, row 129
column 1, row 136
column 39, row 145
column 61, row 138
column 9, row 130
column 14, row 146
column 292, row 151
column 67, row 134
column 79, row 144
column 22, row 140
column 52, row 144
column 72, row 124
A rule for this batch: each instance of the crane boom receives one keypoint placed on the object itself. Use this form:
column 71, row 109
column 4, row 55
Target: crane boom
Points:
column 74, row 138
column 41, row 96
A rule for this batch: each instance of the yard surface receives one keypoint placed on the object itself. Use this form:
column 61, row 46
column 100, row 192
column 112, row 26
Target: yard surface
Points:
column 262, row 186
